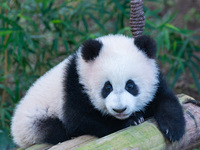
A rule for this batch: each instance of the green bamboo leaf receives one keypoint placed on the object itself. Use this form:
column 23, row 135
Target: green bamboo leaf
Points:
column 2, row 117
column 167, row 21
column 196, row 66
column 6, row 141
column 5, row 46
column 176, row 77
column 124, row 30
column 151, row 13
column 170, row 26
column 174, row 48
column 182, row 49
column 29, row 41
column 102, row 10
column 16, row 90
column 150, row 23
column 194, row 47
column 4, row 5
column 25, row 17
column 65, row 45
column 7, row 113
column 2, row 77
column 8, row 90
column 47, row 25
column 10, row 22
column 118, row 5
column 197, row 58
column 160, row 41
column 85, row 23
column 6, row 32
column 55, row 45
column 181, row 31
column 56, row 21
column 170, row 73
column 97, row 22
column 167, row 40
column 116, row 25
column 19, row 49
column 181, row 64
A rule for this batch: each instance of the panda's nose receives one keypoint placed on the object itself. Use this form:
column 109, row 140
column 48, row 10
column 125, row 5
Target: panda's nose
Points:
column 119, row 110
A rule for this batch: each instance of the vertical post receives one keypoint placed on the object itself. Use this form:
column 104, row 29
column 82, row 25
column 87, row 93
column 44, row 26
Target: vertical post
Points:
column 137, row 18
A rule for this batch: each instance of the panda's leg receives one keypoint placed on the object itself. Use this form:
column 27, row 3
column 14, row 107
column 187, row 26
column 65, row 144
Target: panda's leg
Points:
column 51, row 129
column 168, row 112
column 34, row 125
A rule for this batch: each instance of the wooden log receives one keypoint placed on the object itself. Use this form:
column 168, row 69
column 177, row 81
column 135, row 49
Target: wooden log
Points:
column 143, row 136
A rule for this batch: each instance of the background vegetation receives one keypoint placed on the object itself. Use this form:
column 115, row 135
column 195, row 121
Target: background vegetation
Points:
column 36, row 35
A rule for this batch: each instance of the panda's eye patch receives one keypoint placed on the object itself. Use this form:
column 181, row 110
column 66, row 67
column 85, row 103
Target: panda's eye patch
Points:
column 132, row 88
column 106, row 89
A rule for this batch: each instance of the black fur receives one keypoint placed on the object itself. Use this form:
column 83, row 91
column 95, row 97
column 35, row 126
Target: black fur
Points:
column 146, row 44
column 106, row 89
column 51, row 129
column 132, row 88
column 90, row 49
column 167, row 111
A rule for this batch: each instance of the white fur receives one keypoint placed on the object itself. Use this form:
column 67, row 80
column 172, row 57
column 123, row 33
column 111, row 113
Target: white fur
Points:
column 119, row 61
column 43, row 99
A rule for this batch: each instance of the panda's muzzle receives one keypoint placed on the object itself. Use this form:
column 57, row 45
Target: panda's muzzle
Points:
column 119, row 110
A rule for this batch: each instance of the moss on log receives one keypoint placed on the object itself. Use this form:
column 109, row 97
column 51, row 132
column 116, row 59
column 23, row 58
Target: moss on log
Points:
column 143, row 136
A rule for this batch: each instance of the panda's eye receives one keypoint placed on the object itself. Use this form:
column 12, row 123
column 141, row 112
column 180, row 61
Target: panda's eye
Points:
column 106, row 89
column 131, row 87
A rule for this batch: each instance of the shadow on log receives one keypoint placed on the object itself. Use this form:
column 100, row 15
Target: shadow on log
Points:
column 144, row 136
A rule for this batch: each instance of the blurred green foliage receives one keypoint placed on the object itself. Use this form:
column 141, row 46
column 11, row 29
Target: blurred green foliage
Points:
column 35, row 35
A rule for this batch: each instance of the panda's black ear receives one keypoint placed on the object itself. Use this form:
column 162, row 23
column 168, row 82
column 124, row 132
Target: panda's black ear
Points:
column 146, row 44
column 91, row 49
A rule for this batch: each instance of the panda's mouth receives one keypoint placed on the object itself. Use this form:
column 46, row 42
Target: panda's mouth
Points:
column 121, row 116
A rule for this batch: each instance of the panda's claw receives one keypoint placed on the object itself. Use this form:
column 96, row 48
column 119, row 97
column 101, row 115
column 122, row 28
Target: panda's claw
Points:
column 135, row 119
column 167, row 131
column 135, row 123
column 141, row 119
column 138, row 118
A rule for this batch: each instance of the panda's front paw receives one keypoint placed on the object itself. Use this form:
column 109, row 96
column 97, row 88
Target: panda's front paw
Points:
column 172, row 128
column 172, row 133
column 135, row 119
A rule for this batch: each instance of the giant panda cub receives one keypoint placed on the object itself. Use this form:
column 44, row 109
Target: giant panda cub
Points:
column 109, row 84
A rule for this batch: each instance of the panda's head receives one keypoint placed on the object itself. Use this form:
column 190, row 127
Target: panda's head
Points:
column 118, row 73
